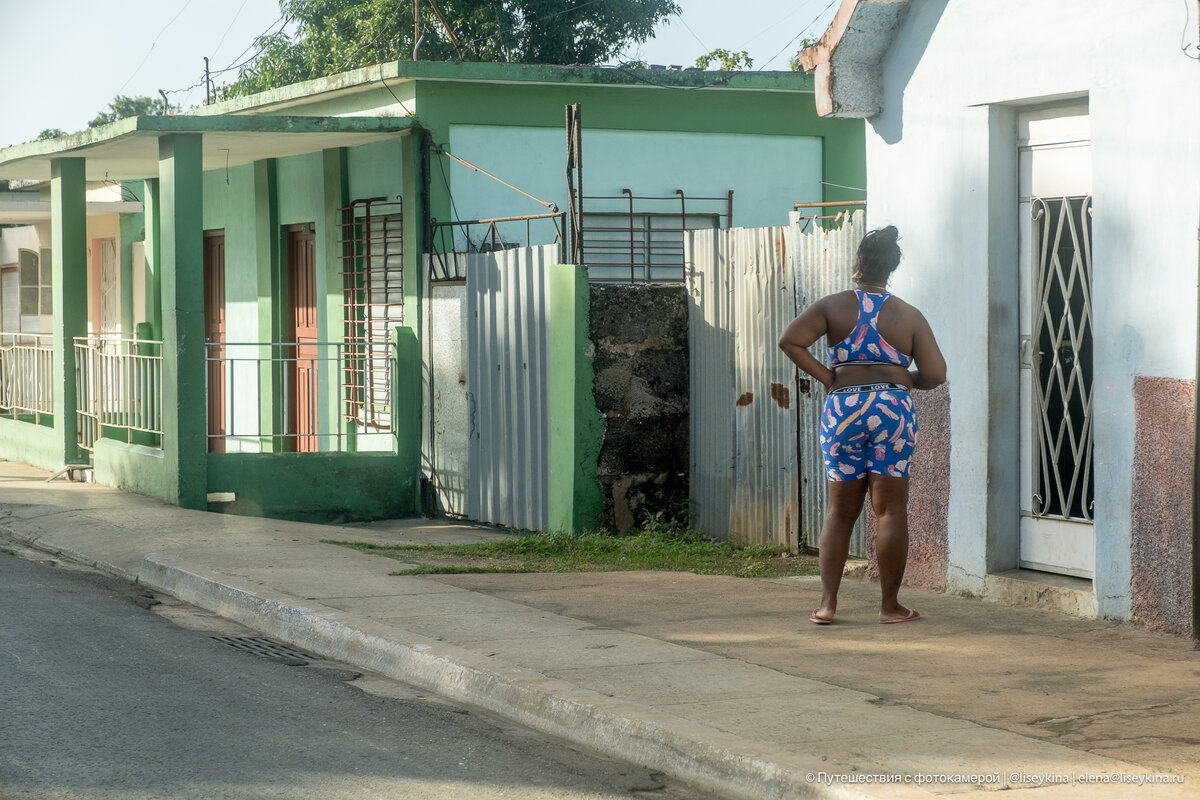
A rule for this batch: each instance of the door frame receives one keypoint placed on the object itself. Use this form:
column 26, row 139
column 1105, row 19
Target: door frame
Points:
column 1047, row 544
column 215, row 366
column 303, row 397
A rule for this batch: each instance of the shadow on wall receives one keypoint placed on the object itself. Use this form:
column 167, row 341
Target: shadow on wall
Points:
column 900, row 62
column 640, row 336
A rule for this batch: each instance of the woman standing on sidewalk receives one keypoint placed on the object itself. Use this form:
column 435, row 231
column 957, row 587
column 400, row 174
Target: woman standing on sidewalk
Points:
column 869, row 425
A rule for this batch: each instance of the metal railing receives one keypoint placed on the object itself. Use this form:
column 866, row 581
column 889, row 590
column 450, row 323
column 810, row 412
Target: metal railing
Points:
column 454, row 238
column 26, row 384
column 298, row 396
column 810, row 213
column 118, row 390
column 630, row 238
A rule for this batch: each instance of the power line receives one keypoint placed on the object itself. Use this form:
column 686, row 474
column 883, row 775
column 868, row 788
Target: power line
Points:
column 151, row 50
column 773, row 25
column 236, row 14
column 803, row 31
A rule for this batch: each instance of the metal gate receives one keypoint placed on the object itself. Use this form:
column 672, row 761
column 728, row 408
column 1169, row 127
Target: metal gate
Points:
column 756, row 464
column 487, row 453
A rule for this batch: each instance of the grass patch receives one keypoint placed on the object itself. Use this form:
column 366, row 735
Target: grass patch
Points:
column 658, row 547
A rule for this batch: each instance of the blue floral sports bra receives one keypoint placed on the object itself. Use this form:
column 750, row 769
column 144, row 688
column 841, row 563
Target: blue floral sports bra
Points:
column 865, row 345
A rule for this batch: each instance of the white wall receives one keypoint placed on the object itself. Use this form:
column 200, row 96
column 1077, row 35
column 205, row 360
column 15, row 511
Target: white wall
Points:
column 941, row 166
column 13, row 240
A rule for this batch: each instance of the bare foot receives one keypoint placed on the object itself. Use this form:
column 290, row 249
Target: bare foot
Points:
column 819, row 618
column 901, row 614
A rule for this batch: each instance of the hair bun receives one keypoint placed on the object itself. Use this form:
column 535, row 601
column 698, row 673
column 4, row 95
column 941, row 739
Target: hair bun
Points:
column 888, row 234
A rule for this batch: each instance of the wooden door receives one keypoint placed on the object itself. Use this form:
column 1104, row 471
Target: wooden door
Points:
column 214, row 335
column 302, row 318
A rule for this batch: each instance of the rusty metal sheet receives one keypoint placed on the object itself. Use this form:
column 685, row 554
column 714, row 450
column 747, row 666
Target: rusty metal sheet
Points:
column 822, row 263
column 743, row 419
column 756, row 472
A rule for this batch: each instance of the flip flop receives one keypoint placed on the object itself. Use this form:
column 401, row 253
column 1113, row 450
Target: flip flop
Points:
column 911, row 616
column 815, row 620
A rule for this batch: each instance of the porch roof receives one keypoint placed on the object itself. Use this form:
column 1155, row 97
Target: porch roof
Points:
column 29, row 212
column 128, row 149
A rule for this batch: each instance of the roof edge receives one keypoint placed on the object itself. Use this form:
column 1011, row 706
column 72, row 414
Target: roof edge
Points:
column 405, row 72
column 846, row 63
column 66, row 146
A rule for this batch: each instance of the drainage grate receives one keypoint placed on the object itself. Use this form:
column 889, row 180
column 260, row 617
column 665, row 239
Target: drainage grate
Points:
column 267, row 648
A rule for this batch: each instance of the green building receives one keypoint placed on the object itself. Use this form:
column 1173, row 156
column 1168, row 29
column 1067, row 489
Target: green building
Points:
column 250, row 339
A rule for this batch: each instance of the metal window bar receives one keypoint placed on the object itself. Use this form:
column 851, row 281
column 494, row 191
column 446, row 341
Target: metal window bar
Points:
column 372, row 240
column 118, row 390
column 274, row 376
column 645, row 234
column 1063, row 368
column 833, row 221
column 444, row 267
column 26, row 376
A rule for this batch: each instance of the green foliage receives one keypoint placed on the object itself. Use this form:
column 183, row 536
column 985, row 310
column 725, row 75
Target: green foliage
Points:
column 726, row 60
column 50, row 133
column 662, row 546
column 805, row 43
column 332, row 36
column 121, row 107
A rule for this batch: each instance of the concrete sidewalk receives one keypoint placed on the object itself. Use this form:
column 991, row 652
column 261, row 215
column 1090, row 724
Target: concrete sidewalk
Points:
column 720, row 682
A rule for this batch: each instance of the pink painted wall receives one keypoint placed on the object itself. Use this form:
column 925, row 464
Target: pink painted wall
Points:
column 928, row 496
column 1161, row 534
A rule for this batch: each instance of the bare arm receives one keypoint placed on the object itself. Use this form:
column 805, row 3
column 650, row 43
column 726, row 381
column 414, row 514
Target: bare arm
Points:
column 799, row 335
column 931, row 365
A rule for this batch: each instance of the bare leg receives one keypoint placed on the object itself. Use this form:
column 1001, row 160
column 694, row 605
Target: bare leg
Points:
column 889, row 501
column 841, row 512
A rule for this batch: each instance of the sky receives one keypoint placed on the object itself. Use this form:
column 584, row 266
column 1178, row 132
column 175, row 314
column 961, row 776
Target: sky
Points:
column 64, row 60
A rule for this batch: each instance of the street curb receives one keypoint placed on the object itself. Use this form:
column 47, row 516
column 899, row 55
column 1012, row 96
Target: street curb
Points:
column 703, row 757
column 35, row 542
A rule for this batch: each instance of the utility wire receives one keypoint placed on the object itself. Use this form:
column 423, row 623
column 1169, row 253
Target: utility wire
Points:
column 142, row 63
column 236, row 14
column 778, row 22
column 803, row 31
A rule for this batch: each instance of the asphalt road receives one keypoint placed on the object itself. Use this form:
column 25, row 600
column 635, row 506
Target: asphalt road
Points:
column 106, row 695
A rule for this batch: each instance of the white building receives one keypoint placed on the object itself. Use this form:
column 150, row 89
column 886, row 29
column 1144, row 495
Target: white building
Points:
column 1042, row 162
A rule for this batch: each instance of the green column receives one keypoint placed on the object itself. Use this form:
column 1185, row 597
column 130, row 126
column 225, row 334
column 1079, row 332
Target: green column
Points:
column 415, row 212
column 267, row 259
column 576, row 427
column 185, row 406
column 68, row 231
column 151, row 211
column 406, row 412
column 335, row 189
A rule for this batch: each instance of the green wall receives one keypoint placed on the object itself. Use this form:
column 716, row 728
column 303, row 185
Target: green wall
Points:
column 650, row 108
column 314, row 487
column 576, row 427
column 38, row 445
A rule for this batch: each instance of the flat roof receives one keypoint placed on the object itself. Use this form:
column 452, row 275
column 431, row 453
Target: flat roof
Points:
column 128, row 149
column 394, row 74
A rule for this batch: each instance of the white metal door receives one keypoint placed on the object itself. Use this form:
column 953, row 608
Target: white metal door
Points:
column 1055, row 341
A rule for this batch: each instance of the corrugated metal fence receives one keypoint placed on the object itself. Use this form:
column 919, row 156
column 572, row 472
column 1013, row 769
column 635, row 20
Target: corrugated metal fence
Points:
column 756, row 459
column 505, row 480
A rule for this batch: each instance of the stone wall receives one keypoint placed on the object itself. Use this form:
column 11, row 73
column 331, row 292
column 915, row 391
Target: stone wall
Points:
column 639, row 334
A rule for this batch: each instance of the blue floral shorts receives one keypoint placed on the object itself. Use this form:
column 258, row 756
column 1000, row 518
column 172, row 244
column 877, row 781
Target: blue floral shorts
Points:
column 868, row 428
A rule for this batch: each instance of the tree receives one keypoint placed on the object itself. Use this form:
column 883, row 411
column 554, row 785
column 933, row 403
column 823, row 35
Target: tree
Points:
column 121, row 107
column 333, row 36
column 727, row 60
column 50, row 133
